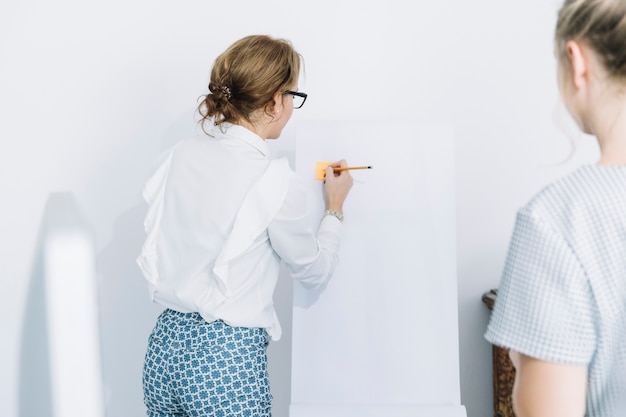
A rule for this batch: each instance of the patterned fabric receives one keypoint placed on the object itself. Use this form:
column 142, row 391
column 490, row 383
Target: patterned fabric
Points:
column 196, row 368
column 562, row 297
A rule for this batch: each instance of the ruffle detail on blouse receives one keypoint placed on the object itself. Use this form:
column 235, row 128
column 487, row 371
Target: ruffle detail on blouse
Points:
column 259, row 207
column 153, row 194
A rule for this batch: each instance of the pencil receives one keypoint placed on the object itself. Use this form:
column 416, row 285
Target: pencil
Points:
column 357, row 167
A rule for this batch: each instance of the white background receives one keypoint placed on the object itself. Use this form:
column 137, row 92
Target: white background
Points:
column 92, row 91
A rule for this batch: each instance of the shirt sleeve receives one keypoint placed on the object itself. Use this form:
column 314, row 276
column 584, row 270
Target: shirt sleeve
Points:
column 544, row 307
column 310, row 256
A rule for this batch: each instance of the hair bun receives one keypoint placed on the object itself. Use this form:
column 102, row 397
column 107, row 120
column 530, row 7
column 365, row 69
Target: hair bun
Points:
column 220, row 91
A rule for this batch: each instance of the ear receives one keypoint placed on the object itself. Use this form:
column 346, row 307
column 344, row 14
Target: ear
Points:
column 579, row 63
column 278, row 103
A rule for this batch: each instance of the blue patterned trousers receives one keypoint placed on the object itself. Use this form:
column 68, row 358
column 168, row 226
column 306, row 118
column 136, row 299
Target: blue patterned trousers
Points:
column 196, row 368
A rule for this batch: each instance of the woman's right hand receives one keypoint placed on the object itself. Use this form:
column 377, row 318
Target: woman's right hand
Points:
column 337, row 185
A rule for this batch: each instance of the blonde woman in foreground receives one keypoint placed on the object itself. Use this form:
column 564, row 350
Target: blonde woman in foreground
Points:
column 561, row 307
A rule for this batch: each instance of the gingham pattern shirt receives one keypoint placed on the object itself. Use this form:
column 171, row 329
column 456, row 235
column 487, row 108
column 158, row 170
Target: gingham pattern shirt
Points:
column 562, row 297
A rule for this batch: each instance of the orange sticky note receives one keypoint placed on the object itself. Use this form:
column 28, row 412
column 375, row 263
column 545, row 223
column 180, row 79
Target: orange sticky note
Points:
column 320, row 169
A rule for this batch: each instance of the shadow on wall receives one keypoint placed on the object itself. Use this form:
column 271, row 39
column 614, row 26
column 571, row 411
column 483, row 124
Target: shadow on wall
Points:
column 113, row 202
column 125, row 312
column 34, row 369
column 279, row 352
column 126, row 315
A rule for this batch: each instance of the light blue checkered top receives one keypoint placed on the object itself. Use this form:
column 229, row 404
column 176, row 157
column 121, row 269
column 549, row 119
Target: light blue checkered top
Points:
column 562, row 297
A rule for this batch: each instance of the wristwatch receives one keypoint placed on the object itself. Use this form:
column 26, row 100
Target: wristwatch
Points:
column 335, row 213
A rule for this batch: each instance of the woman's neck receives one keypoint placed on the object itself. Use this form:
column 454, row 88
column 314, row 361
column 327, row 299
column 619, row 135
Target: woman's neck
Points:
column 259, row 123
column 611, row 130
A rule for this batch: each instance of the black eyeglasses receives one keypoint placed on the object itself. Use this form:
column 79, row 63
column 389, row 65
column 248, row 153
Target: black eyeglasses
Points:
column 298, row 98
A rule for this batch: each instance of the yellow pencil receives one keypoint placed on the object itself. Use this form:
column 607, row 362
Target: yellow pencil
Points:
column 320, row 169
column 357, row 167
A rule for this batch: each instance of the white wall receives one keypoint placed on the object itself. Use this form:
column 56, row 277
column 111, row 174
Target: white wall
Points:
column 91, row 92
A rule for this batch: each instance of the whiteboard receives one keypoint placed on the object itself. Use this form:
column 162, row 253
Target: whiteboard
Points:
column 383, row 334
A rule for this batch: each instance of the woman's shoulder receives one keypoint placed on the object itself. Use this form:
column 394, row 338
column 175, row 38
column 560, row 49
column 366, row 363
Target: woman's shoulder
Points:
column 587, row 190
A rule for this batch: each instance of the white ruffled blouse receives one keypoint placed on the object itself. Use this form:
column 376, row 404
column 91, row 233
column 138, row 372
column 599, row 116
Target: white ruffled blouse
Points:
column 221, row 217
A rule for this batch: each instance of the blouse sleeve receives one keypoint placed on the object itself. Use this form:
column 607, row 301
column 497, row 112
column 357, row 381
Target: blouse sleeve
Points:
column 544, row 308
column 309, row 255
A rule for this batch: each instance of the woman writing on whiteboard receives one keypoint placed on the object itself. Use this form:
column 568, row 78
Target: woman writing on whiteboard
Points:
column 222, row 216
column 561, row 307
